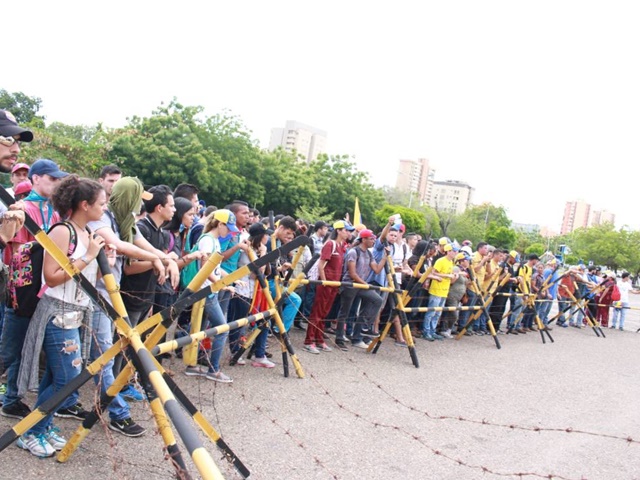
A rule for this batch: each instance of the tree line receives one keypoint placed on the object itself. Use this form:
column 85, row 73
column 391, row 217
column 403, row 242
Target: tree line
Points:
column 218, row 153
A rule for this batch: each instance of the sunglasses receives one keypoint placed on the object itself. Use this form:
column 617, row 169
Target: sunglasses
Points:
column 7, row 141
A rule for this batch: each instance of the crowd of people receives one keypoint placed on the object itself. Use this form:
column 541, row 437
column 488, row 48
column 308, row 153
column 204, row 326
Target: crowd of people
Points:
column 157, row 239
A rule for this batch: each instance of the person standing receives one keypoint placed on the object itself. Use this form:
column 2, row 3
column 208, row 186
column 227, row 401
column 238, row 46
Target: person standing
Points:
column 621, row 306
column 441, row 278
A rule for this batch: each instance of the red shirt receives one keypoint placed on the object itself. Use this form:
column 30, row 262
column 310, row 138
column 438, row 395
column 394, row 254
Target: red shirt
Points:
column 333, row 253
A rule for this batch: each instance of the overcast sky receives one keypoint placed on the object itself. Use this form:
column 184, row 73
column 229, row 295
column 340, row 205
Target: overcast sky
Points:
column 532, row 103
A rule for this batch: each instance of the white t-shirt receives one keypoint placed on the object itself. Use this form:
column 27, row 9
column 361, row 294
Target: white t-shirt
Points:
column 209, row 244
column 625, row 288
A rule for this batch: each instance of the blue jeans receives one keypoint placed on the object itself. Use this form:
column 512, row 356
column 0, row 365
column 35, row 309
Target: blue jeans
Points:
column 562, row 306
column 622, row 313
column 544, row 308
column 463, row 318
column 14, row 331
column 101, row 341
column 516, row 307
column 432, row 316
column 289, row 308
column 64, row 362
column 238, row 308
column 215, row 318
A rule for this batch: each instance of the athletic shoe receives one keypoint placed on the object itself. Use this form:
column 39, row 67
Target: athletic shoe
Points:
column 127, row 427
column 74, row 411
column 16, row 410
column 241, row 361
column 311, row 349
column 400, row 344
column 131, row 393
column 360, row 344
column 54, row 438
column 196, row 371
column 437, row 337
column 447, row 333
column 371, row 334
column 219, row 377
column 342, row 345
column 263, row 362
column 36, row 444
column 325, row 348
column 428, row 337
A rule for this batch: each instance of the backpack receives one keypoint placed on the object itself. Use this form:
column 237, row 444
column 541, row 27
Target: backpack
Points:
column 190, row 270
column 615, row 293
column 313, row 273
column 25, row 273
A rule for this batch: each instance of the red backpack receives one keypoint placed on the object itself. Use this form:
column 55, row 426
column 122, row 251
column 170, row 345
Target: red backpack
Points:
column 615, row 293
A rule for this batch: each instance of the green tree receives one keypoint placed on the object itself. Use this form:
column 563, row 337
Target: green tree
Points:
column 413, row 220
column 500, row 236
column 23, row 107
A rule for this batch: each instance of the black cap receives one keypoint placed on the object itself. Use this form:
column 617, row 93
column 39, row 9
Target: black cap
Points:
column 320, row 224
column 9, row 127
column 258, row 229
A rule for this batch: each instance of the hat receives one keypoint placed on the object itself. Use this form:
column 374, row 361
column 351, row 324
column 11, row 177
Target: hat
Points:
column 45, row 166
column 320, row 224
column 258, row 229
column 22, row 187
column 467, row 249
column 443, row 241
column 402, row 228
column 467, row 243
column 19, row 166
column 228, row 218
column 462, row 256
column 343, row 224
column 9, row 127
column 366, row 233
column 513, row 254
column 448, row 247
column 360, row 226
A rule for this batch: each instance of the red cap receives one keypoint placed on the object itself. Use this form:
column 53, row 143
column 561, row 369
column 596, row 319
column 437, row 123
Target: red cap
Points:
column 366, row 233
column 20, row 166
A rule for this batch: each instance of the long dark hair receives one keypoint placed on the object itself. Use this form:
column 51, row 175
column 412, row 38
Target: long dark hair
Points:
column 182, row 206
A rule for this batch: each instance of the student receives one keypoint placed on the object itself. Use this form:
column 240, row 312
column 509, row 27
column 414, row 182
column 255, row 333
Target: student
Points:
column 63, row 308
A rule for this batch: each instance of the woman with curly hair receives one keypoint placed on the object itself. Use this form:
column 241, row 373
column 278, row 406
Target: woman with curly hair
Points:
column 63, row 308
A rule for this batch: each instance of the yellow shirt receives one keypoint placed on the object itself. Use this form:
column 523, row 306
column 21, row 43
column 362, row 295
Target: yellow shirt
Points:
column 441, row 288
column 475, row 261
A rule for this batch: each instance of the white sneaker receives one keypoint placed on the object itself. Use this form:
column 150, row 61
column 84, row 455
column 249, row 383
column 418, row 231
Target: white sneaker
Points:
column 241, row 361
column 446, row 333
column 196, row 371
column 219, row 377
column 311, row 349
column 263, row 362
column 36, row 444
column 360, row 344
column 54, row 438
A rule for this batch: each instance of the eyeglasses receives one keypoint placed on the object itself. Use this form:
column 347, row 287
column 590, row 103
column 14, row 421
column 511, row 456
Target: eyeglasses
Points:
column 7, row 141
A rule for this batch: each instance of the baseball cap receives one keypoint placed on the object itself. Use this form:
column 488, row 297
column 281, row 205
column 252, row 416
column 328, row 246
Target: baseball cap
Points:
column 22, row 187
column 467, row 250
column 19, row 166
column 514, row 254
column 258, row 229
column 228, row 218
column 9, row 127
column 448, row 247
column 343, row 224
column 44, row 166
column 402, row 228
column 366, row 233
column 462, row 256
column 443, row 241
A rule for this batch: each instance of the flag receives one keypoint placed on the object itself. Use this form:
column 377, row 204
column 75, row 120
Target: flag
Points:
column 357, row 218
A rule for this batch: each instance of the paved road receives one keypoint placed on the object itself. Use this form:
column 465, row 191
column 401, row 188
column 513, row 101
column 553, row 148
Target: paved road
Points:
column 360, row 416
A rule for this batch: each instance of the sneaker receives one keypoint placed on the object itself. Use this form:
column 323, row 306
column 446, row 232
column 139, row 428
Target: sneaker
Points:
column 219, row 377
column 74, row 411
column 36, row 444
column 360, row 344
column 428, row 337
column 311, row 348
column 371, row 334
column 621, row 329
column 325, row 348
column 54, row 438
column 342, row 345
column 196, row 371
column 400, row 344
column 447, row 334
column 127, row 427
column 241, row 361
column 16, row 410
column 263, row 362
column 131, row 393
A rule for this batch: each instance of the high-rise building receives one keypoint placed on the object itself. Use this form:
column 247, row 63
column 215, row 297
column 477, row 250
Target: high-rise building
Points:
column 600, row 217
column 451, row 196
column 416, row 177
column 308, row 141
column 576, row 215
